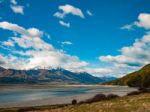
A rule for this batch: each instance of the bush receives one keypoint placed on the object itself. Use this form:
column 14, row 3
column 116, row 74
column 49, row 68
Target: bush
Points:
column 74, row 102
column 112, row 96
column 134, row 93
column 144, row 90
column 148, row 90
column 96, row 98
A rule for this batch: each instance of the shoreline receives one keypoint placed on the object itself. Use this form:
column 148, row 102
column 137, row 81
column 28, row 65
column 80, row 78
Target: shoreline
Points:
column 47, row 101
column 4, row 86
column 135, row 103
column 54, row 100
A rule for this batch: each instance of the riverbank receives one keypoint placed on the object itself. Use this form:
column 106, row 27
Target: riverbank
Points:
column 136, row 103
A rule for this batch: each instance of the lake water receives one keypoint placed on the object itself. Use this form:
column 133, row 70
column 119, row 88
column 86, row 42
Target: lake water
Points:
column 43, row 95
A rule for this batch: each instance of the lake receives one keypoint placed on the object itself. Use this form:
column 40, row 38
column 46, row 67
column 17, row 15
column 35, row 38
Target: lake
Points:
column 27, row 95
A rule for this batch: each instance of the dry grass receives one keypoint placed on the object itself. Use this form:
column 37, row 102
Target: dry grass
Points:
column 137, row 103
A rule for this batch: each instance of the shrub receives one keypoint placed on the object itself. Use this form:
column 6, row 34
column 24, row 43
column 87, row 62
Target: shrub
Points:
column 81, row 102
column 148, row 90
column 74, row 102
column 112, row 96
column 96, row 98
column 134, row 93
column 144, row 90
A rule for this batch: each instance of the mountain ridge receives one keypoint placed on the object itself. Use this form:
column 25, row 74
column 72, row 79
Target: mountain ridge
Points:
column 52, row 76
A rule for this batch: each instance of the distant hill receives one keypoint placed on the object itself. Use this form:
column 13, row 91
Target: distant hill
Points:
column 53, row 76
column 140, row 78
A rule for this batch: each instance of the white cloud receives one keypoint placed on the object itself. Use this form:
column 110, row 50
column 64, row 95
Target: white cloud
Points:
column 8, row 43
column 14, row 2
column 97, row 71
column 69, row 9
column 29, row 42
column 127, row 27
column 89, row 13
column 53, row 58
column 17, row 9
column 35, row 52
column 13, row 27
column 135, row 56
column 143, row 21
column 64, row 24
column 33, row 32
column 10, row 61
column 59, row 15
column 66, row 43
column 132, row 57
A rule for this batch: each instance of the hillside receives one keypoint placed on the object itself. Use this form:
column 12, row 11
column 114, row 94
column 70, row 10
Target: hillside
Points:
column 140, row 78
column 53, row 76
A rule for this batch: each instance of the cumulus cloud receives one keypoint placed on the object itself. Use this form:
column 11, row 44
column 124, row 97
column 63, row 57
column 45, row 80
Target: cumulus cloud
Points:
column 59, row 15
column 33, row 32
column 16, row 8
column 13, row 27
column 143, row 21
column 131, row 58
column 2, row 60
column 14, row 2
column 64, row 24
column 136, row 55
column 10, row 61
column 8, row 43
column 35, row 52
column 68, row 9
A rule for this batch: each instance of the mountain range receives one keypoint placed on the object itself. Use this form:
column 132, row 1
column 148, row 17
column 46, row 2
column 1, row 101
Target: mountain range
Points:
column 140, row 78
column 52, row 76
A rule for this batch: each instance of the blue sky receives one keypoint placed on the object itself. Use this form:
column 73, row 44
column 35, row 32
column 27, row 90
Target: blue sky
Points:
column 92, row 34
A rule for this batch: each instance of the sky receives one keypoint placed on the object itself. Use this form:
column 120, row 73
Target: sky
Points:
column 101, row 37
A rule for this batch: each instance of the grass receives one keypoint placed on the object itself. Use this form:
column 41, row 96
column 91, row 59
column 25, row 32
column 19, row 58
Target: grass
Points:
column 135, row 103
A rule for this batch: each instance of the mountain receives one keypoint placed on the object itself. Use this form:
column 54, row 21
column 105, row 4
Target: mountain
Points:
column 108, row 78
column 53, row 76
column 140, row 78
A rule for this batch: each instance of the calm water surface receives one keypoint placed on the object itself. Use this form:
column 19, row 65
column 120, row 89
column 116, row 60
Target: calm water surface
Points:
column 8, row 95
